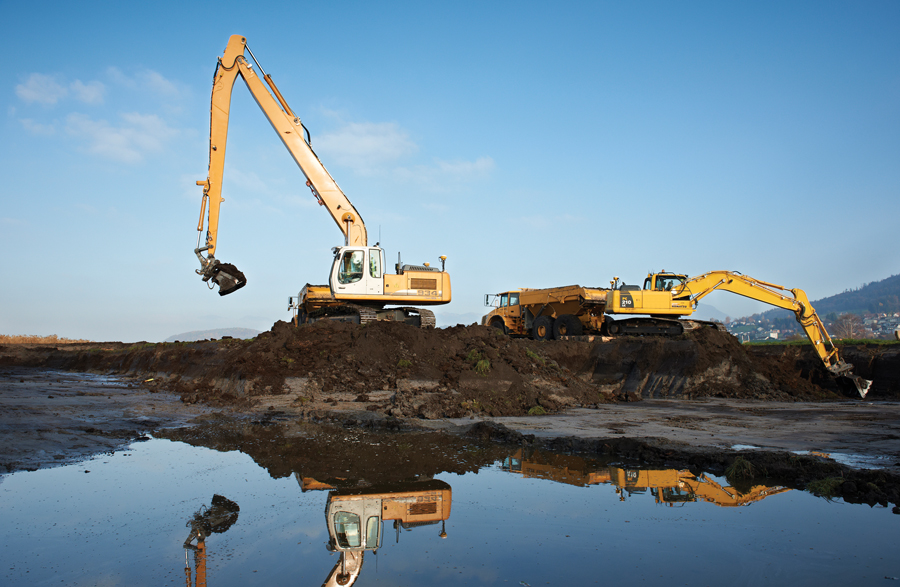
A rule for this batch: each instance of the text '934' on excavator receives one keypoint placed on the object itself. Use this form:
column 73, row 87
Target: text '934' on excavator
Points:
column 359, row 289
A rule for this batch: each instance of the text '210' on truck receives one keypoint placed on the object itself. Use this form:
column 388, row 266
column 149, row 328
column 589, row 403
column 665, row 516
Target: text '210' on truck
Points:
column 657, row 308
column 359, row 289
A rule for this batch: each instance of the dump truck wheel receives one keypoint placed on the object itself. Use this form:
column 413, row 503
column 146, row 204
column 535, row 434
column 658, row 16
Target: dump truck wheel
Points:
column 612, row 328
column 543, row 328
column 566, row 325
column 499, row 325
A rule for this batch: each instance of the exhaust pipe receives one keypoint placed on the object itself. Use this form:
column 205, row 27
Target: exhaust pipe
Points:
column 228, row 277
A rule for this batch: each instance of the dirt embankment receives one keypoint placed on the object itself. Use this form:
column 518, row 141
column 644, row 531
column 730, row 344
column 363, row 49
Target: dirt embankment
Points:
column 400, row 371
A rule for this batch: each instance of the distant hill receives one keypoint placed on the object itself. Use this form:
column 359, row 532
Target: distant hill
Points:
column 872, row 298
column 217, row 333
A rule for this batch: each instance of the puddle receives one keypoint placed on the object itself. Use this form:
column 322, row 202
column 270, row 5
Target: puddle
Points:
column 166, row 512
column 854, row 460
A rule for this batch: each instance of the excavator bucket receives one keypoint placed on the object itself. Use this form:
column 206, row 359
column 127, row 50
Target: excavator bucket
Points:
column 862, row 385
column 228, row 277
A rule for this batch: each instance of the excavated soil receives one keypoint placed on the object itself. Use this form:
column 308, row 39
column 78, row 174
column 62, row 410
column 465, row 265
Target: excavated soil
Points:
column 400, row 371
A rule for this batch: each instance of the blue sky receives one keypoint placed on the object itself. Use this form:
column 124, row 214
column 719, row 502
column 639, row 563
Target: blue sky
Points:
column 533, row 144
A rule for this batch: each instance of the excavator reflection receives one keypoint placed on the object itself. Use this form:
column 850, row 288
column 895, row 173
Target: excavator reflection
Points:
column 216, row 519
column 668, row 486
column 355, row 518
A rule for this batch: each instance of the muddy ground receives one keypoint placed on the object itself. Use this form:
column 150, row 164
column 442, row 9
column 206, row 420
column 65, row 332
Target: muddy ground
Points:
column 406, row 372
column 688, row 400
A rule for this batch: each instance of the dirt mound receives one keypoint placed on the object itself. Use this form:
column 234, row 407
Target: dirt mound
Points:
column 704, row 363
column 399, row 370
column 396, row 370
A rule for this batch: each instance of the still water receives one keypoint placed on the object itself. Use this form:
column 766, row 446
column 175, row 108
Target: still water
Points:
column 168, row 513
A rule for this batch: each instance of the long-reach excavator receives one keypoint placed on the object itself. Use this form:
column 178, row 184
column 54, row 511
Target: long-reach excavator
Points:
column 358, row 289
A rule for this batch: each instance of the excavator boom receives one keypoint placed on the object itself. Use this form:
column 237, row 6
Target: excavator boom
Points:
column 290, row 130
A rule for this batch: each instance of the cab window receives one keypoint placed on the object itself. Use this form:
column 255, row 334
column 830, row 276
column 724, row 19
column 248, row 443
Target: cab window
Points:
column 668, row 283
column 346, row 526
column 504, row 300
column 372, row 526
column 513, row 299
column 351, row 267
column 647, row 283
column 374, row 263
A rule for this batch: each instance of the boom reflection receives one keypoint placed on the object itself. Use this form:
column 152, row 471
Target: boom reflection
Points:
column 668, row 486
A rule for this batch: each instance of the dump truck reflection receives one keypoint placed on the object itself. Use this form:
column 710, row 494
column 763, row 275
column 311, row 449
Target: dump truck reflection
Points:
column 668, row 486
column 356, row 516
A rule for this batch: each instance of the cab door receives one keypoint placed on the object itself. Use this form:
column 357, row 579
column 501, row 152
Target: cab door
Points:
column 375, row 276
column 349, row 276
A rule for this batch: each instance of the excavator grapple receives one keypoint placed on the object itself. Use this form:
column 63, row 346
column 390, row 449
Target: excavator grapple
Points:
column 229, row 278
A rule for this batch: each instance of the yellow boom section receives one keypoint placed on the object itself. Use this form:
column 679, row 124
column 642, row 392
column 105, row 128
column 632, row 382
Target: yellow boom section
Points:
column 794, row 300
column 289, row 129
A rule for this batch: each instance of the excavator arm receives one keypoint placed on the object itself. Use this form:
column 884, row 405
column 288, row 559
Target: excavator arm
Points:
column 795, row 300
column 290, row 129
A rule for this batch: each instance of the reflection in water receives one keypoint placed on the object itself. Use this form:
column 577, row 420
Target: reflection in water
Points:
column 669, row 486
column 123, row 524
column 217, row 518
column 355, row 519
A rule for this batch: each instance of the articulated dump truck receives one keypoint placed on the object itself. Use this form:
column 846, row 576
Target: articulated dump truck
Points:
column 658, row 308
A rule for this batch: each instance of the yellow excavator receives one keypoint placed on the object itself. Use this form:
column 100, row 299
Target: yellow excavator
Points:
column 668, row 486
column 358, row 289
column 657, row 308
column 666, row 297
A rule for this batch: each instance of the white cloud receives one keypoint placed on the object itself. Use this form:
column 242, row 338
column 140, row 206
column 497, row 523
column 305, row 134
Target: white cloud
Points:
column 369, row 148
column 38, row 128
column 146, row 79
column 364, row 146
column 445, row 175
column 138, row 135
column 49, row 89
column 155, row 82
column 89, row 93
column 41, row 88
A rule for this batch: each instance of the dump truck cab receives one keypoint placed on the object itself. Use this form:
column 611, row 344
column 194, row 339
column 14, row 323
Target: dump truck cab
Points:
column 507, row 312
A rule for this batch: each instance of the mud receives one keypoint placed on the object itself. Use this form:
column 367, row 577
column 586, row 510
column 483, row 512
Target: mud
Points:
column 398, row 371
column 626, row 393
column 51, row 417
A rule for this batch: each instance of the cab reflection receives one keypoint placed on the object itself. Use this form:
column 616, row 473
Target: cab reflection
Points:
column 356, row 516
column 671, row 487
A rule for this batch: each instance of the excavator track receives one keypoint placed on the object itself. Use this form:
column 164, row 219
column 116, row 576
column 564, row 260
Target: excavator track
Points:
column 410, row 315
column 426, row 317
column 658, row 326
column 344, row 313
column 365, row 315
